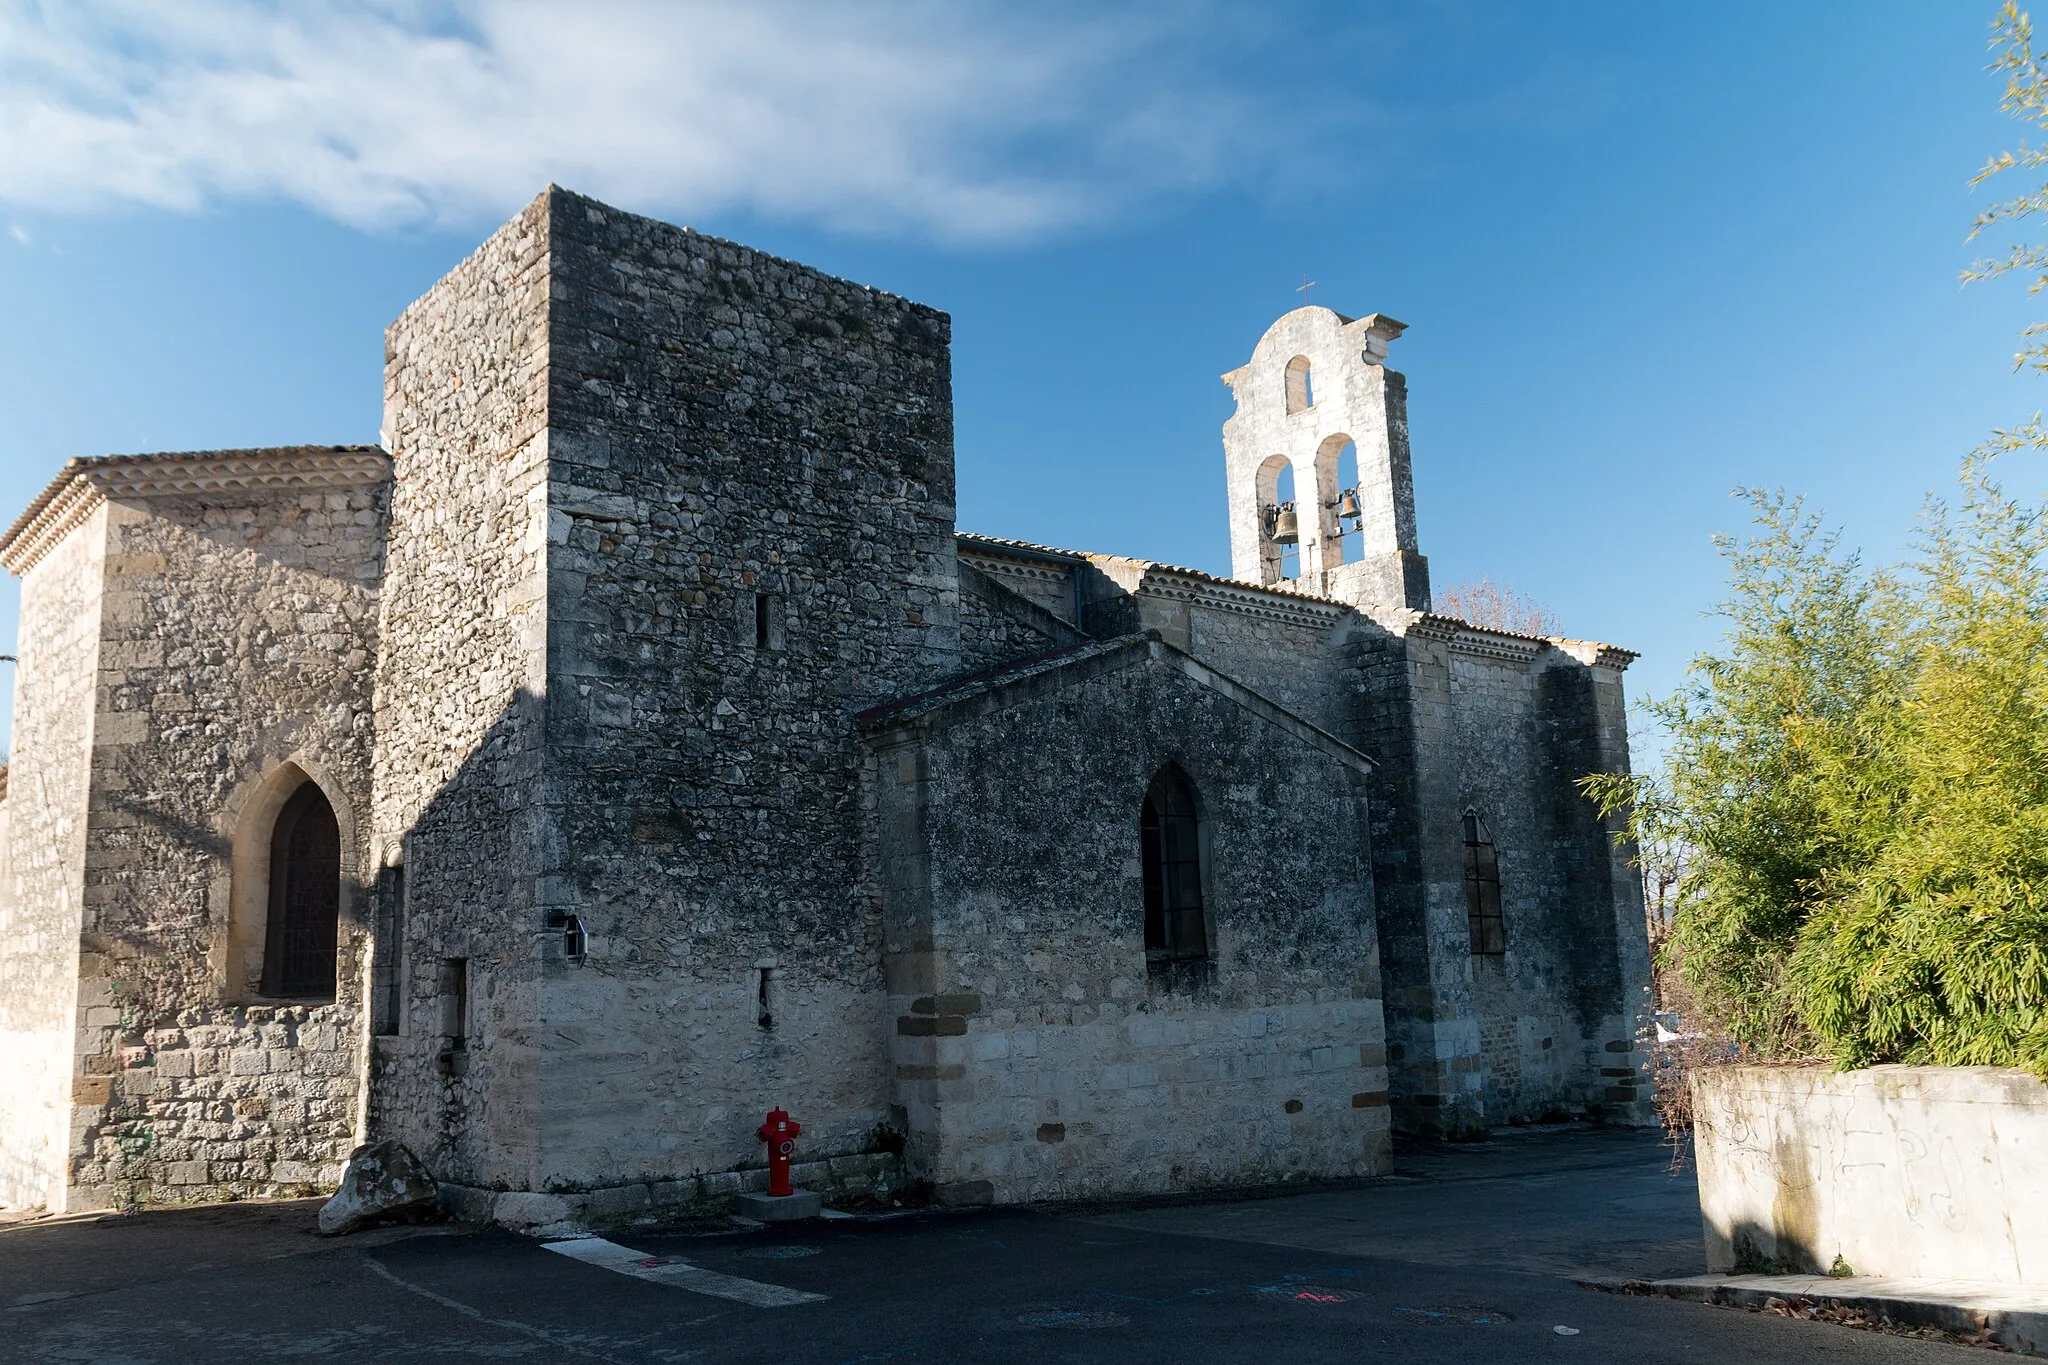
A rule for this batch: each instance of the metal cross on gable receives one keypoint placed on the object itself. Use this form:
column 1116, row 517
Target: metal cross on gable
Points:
column 1303, row 288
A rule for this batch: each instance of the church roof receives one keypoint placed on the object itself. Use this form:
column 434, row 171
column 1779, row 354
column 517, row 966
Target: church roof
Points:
column 991, row 688
column 1000, row 543
column 84, row 483
column 1429, row 623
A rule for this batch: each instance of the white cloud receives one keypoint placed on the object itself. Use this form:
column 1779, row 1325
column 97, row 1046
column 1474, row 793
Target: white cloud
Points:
column 955, row 120
column 19, row 234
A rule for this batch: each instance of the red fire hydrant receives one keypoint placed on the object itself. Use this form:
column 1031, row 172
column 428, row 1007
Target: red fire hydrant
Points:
column 779, row 1132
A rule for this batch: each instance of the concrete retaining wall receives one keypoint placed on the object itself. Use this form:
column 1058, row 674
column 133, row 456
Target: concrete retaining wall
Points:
column 1902, row 1171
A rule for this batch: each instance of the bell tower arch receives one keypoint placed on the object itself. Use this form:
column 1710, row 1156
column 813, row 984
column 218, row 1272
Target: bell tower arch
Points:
column 1316, row 384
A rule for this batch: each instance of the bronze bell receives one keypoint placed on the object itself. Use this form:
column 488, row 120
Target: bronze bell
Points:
column 1347, row 506
column 1286, row 526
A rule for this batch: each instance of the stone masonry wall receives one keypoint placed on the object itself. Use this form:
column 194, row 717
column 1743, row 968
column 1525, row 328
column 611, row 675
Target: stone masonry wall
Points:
column 1282, row 645
column 1403, row 719
column 459, row 800
column 751, row 536
column 1532, row 1041
column 1504, row 727
column 1285, row 655
column 236, row 633
column 998, row 625
column 1044, row 578
column 41, row 907
column 1463, row 720
column 1582, row 714
column 1038, row 1054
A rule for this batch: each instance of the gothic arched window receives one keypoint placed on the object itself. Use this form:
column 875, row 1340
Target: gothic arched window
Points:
column 1176, row 927
column 1482, row 889
column 305, row 897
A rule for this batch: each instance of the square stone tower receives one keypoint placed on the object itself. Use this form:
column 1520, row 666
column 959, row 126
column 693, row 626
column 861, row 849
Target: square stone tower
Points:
column 667, row 511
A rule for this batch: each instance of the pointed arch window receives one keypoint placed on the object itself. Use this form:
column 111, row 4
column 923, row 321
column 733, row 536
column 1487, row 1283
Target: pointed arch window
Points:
column 305, row 897
column 1482, row 889
column 1176, row 921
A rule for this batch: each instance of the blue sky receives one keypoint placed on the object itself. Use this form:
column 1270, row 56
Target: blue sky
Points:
column 1646, row 254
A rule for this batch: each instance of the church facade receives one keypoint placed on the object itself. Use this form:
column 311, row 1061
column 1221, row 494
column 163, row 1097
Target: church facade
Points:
column 631, row 743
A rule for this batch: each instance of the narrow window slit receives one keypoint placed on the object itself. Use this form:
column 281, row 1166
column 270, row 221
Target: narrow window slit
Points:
column 764, row 1009
column 455, row 1004
column 1176, row 922
column 1482, row 890
column 387, row 974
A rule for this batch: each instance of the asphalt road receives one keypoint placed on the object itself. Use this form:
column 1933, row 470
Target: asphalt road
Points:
column 1466, row 1256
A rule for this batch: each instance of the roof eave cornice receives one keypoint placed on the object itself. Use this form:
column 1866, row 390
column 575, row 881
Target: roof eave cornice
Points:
column 82, row 485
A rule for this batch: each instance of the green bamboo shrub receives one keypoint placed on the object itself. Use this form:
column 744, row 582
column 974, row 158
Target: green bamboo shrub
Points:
column 1858, row 779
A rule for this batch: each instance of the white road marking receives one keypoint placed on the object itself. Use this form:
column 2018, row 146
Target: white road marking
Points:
column 678, row 1272
column 478, row 1315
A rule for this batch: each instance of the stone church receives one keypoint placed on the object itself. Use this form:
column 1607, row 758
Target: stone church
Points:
column 631, row 743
